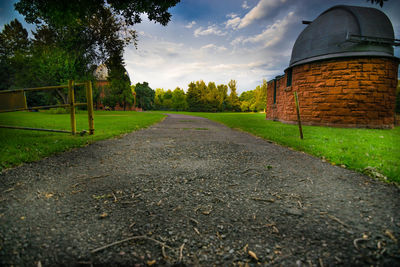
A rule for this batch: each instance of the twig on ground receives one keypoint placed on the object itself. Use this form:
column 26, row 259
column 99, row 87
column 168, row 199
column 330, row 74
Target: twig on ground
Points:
column 196, row 230
column 192, row 220
column 128, row 239
column 163, row 252
column 390, row 235
column 181, row 253
column 321, row 263
column 337, row 220
column 355, row 242
column 8, row 190
column 75, row 185
column 300, row 205
column 115, row 198
column 276, row 195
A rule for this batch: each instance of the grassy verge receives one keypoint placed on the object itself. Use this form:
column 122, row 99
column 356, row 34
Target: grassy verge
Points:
column 18, row 146
column 357, row 149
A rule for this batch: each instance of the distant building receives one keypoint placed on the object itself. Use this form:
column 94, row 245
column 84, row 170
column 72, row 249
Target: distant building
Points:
column 101, row 75
column 343, row 69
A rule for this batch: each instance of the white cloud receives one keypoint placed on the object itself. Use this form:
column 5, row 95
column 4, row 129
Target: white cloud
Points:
column 237, row 40
column 233, row 23
column 274, row 33
column 171, row 57
column 144, row 34
column 214, row 47
column 213, row 29
column 263, row 9
column 177, row 64
column 245, row 5
column 231, row 15
column 190, row 25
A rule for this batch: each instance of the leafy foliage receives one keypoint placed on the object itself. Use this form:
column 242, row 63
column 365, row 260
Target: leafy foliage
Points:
column 63, row 12
column 254, row 100
column 144, row 96
column 380, row 2
column 170, row 100
column 96, row 29
column 194, row 97
column 71, row 39
column 14, row 44
column 211, row 98
column 233, row 99
column 178, row 99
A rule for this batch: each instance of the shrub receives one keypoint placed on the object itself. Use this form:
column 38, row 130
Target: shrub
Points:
column 57, row 111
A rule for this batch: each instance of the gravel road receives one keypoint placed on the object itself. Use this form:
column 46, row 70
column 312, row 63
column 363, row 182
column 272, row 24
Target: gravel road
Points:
column 190, row 192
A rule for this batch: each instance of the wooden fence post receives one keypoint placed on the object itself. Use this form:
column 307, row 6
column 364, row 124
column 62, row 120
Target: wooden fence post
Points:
column 72, row 105
column 296, row 100
column 89, row 101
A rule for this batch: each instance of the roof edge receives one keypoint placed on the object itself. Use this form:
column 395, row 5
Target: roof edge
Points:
column 342, row 55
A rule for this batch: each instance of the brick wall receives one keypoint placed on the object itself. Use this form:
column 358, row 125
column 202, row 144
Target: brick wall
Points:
column 345, row 92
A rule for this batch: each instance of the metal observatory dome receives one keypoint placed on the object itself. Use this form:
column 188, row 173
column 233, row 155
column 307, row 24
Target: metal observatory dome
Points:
column 345, row 31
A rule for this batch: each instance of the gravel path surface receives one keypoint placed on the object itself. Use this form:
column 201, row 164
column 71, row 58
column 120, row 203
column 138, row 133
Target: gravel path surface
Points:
column 188, row 191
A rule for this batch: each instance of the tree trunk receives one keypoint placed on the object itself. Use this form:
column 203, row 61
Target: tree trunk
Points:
column 63, row 96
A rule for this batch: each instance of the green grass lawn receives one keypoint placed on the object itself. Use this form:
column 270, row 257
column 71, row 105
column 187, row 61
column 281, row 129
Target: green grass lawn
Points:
column 354, row 148
column 18, row 146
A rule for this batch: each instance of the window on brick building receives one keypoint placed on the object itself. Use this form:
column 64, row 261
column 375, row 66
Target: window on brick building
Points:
column 289, row 75
column 275, row 91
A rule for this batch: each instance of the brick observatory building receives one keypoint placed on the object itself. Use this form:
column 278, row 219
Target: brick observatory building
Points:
column 343, row 69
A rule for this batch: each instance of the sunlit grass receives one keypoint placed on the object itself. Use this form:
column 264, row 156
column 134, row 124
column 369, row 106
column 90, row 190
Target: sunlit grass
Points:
column 17, row 146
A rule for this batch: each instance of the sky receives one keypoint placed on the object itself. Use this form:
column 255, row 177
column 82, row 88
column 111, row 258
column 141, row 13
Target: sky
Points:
column 220, row 40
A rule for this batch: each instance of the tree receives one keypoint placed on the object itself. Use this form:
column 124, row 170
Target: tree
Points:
column 380, row 2
column 210, row 99
column 233, row 99
column 194, row 97
column 167, row 101
column 14, row 40
column 119, row 80
column 144, row 96
column 14, row 47
column 260, row 97
column 72, row 36
column 159, row 98
column 130, row 11
column 247, row 100
column 110, row 98
column 134, row 94
column 179, row 100
column 95, row 28
column 222, row 96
